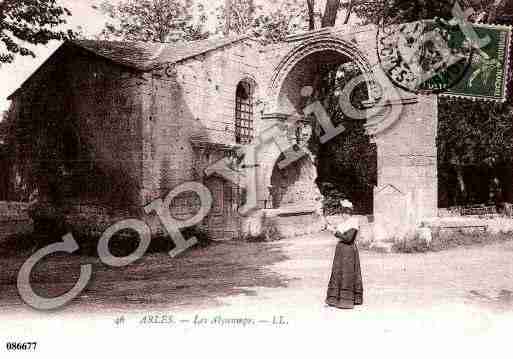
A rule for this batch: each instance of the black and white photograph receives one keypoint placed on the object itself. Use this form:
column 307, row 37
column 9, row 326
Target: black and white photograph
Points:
column 256, row 178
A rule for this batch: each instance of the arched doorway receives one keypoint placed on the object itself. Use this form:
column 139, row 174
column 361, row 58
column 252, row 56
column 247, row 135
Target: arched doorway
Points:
column 318, row 50
column 297, row 183
column 223, row 221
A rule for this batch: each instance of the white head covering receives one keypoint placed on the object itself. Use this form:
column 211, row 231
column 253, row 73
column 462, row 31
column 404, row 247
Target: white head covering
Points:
column 346, row 204
column 351, row 223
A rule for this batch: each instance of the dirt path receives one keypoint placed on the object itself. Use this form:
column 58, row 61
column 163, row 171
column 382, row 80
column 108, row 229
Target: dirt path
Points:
column 288, row 276
column 457, row 303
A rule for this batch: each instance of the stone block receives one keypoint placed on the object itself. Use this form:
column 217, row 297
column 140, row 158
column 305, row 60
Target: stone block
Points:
column 425, row 236
column 382, row 247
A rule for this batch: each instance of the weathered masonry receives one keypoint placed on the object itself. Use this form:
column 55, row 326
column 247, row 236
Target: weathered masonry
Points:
column 113, row 126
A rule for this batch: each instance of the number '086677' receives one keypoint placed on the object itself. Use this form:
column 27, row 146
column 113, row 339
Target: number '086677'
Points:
column 28, row 346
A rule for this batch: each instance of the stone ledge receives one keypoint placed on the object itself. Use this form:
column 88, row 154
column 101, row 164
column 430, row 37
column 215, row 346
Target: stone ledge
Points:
column 291, row 210
column 382, row 247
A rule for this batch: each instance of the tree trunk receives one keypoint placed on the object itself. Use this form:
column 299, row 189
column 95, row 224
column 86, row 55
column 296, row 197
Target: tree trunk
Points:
column 349, row 11
column 227, row 17
column 331, row 12
column 462, row 190
column 311, row 14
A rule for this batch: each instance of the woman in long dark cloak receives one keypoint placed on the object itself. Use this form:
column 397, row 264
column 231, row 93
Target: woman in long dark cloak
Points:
column 345, row 288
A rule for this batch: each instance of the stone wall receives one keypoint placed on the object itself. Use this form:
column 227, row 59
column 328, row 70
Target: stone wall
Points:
column 96, row 103
column 141, row 134
column 406, row 139
column 14, row 219
column 407, row 167
column 193, row 99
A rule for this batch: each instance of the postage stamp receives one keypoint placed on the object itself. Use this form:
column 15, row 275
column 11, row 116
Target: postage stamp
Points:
column 424, row 56
column 486, row 78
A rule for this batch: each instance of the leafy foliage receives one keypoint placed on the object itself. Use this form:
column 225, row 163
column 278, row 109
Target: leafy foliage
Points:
column 276, row 20
column 347, row 162
column 475, row 135
column 270, row 23
column 154, row 20
column 332, row 197
column 279, row 22
column 397, row 11
column 470, row 133
column 3, row 127
column 242, row 16
column 29, row 22
column 482, row 135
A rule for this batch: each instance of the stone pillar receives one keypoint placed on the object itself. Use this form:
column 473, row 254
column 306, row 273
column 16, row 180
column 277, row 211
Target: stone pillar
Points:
column 407, row 189
column 267, row 152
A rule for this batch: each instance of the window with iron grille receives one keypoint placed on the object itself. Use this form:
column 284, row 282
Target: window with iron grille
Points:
column 243, row 114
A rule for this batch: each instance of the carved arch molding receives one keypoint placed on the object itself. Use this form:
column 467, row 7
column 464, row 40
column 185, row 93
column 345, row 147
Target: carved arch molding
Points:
column 305, row 48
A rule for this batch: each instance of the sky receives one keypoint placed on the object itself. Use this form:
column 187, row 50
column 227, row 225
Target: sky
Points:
column 14, row 74
column 91, row 22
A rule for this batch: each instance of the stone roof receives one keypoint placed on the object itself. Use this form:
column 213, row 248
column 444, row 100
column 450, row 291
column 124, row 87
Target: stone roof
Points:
column 148, row 55
column 145, row 56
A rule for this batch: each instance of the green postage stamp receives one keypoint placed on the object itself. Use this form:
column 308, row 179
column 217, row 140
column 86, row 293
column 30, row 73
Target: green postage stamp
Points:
column 487, row 74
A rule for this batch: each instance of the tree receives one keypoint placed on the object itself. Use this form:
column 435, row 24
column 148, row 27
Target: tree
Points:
column 273, row 22
column 227, row 17
column 351, row 153
column 486, row 11
column 400, row 11
column 154, row 20
column 236, row 16
column 346, row 165
column 472, row 135
column 330, row 13
column 13, row 188
column 30, row 22
column 476, row 135
column 348, row 162
column 270, row 23
column 311, row 14
column 4, row 127
column 397, row 11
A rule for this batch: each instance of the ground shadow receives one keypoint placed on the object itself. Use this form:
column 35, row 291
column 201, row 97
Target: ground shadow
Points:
column 199, row 278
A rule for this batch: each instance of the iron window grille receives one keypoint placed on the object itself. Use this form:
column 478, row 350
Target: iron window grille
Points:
column 243, row 114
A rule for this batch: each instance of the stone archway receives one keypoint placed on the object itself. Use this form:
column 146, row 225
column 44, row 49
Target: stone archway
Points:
column 406, row 141
column 323, row 44
column 297, row 70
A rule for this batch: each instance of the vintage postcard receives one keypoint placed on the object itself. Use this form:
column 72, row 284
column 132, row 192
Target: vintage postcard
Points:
column 235, row 178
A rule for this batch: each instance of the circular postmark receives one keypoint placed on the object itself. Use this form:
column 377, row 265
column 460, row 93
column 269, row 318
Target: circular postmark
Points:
column 424, row 56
